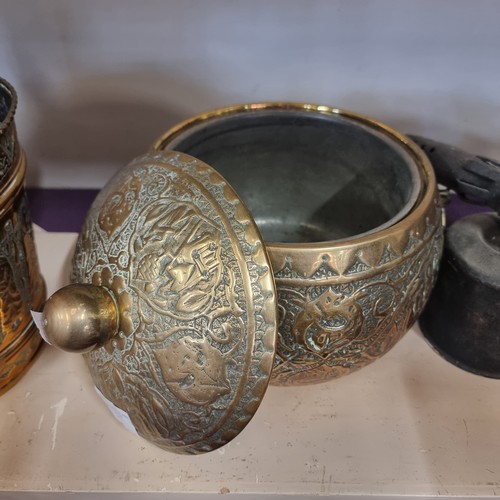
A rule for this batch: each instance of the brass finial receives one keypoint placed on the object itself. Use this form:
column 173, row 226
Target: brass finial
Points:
column 78, row 318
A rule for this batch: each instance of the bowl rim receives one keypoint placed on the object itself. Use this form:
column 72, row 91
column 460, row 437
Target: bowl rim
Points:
column 428, row 185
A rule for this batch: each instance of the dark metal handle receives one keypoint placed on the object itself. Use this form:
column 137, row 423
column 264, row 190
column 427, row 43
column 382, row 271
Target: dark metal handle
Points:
column 474, row 178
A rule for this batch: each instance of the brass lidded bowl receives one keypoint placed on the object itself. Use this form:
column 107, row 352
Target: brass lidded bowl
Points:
column 349, row 213
column 21, row 285
column 185, row 311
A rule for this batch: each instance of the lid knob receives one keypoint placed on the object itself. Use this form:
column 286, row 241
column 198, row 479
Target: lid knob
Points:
column 80, row 317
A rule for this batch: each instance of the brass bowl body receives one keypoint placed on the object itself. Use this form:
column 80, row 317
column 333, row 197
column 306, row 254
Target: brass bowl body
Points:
column 349, row 212
column 21, row 285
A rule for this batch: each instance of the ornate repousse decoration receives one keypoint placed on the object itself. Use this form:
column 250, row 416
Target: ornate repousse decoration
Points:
column 342, row 303
column 196, row 298
column 21, row 289
column 352, row 306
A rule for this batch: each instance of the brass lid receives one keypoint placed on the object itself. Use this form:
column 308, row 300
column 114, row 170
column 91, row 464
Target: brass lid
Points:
column 175, row 303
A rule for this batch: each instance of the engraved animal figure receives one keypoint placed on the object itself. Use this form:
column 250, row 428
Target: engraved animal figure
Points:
column 177, row 264
column 328, row 323
column 193, row 370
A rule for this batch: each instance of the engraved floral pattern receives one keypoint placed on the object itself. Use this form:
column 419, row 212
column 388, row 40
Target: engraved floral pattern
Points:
column 353, row 306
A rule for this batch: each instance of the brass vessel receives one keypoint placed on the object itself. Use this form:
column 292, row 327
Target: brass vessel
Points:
column 21, row 285
column 351, row 221
column 285, row 241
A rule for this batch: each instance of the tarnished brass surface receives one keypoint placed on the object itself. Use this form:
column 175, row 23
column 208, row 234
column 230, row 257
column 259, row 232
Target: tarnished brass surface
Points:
column 21, row 285
column 196, row 302
column 354, row 302
column 343, row 302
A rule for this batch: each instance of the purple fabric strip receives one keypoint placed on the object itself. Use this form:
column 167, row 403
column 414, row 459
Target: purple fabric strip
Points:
column 457, row 208
column 63, row 210
column 60, row 210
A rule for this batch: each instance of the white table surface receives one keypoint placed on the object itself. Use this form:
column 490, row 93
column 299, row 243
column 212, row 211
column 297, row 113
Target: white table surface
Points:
column 409, row 425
